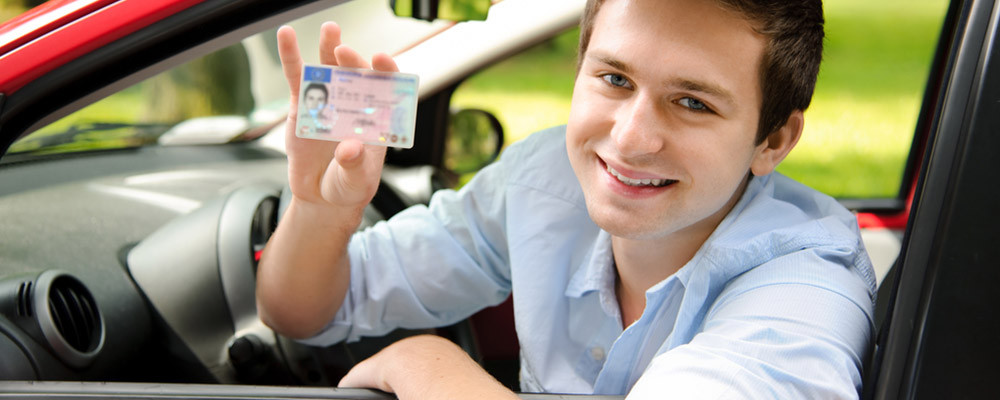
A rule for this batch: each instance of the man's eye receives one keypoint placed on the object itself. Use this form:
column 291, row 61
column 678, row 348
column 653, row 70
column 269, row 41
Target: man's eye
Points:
column 615, row 80
column 693, row 104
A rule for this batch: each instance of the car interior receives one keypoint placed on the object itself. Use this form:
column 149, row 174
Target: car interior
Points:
column 128, row 250
column 177, row 212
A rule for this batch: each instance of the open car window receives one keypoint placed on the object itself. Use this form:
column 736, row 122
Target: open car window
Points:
column 859, row 128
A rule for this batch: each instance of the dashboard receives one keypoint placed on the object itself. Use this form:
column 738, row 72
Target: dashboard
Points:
column 139, row 265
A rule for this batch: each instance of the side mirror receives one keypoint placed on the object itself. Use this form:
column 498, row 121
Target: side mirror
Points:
column 452, row 10
column 475, row 138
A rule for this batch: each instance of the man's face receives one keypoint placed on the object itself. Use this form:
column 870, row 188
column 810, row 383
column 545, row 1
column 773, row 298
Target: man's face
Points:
column 315, row 99
column 662, row 128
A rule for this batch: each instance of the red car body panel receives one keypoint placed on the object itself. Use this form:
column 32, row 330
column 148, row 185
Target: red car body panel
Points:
column 896, row 220
column 44, row 19
column 53, row 34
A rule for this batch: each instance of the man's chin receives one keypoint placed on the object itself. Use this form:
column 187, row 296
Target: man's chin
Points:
column 625, row 225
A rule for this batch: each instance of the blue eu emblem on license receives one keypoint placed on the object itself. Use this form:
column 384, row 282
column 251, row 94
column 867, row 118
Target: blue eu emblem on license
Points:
column 317, row 74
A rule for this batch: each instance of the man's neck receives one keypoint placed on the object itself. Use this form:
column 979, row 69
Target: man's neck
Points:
column 642, row 263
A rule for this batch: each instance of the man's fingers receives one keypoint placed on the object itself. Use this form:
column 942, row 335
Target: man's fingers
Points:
column 355, row 172
column 357, row 377
column 348, row 57
column 348, row 154
column 365, row 375
column 351, row 154
column 383, row 62
column 329, row 39
column 291, row 60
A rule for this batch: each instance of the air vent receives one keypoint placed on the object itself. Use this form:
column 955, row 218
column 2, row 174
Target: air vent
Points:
column 68, row 317
column 74, row 313
column 23, row 299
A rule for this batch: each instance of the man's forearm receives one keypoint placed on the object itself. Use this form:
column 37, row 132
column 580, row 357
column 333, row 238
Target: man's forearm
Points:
column 304, row 271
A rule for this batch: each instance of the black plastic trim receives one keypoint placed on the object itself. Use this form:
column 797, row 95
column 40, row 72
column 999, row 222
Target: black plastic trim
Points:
column 3, row 100
column 956, row 354
column 874, row 205
column 141, row 391
column 965, row 29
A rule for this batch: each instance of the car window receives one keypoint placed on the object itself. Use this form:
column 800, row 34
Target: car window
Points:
column 858, row 128
column 860, row 125
column 211, row 93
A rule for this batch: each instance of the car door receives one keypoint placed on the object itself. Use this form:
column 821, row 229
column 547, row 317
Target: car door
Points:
column 938, row 337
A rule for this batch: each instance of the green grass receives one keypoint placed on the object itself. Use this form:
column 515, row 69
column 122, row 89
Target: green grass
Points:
column 860, row 125
column 858, row 128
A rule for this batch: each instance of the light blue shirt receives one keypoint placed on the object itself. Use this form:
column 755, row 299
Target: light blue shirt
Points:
column 776, row 304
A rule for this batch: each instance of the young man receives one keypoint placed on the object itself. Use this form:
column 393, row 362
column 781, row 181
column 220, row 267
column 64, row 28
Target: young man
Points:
column 649, row 247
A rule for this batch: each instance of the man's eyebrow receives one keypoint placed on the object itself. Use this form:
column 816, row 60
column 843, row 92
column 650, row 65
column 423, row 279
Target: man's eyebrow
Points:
column 704, row 87
column 612, row 62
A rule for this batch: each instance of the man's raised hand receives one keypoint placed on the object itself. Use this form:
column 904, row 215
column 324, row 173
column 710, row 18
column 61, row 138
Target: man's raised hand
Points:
column 322, row 173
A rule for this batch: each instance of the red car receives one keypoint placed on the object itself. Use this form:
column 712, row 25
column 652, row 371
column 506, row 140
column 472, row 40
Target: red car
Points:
column 127, row 247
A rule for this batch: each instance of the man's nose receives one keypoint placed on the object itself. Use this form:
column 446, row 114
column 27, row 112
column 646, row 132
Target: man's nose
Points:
column 638, row 128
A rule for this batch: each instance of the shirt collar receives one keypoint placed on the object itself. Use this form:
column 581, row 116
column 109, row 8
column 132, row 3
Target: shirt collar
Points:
column 597, row 269
column 597, row 272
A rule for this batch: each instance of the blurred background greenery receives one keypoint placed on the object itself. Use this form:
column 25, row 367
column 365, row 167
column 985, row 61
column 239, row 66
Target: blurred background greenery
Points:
column 858, row 128
column 12, row 8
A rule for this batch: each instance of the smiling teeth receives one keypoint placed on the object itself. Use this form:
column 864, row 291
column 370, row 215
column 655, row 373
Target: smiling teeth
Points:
column 637, row 182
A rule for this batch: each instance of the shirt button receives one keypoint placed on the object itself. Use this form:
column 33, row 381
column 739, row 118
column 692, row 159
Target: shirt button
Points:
column 597, row 353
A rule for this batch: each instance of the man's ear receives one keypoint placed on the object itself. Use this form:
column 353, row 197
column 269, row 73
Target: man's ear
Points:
column 776, row 146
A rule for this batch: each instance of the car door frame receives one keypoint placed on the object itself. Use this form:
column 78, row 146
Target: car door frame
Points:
column 938, row 337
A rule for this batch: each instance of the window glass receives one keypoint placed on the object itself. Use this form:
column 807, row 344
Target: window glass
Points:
column 858, row 129
column 216, row 85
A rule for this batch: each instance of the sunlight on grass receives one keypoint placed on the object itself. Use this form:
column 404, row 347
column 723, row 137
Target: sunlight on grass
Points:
column 850, row 149
column 860, row 125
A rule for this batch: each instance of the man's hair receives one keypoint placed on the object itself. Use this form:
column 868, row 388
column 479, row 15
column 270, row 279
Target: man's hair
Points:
column 318, row 86
column 788, row 68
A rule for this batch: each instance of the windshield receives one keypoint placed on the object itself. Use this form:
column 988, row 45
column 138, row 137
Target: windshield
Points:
column 205, row 101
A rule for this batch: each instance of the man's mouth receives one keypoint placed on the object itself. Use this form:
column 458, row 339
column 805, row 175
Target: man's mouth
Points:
column 639, row 182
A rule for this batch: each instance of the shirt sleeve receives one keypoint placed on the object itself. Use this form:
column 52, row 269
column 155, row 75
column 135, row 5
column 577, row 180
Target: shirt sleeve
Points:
column 769, row 337
column 428, row 266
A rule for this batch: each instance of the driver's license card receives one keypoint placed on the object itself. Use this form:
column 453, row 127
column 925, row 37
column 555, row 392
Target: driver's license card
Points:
column 375, row 107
